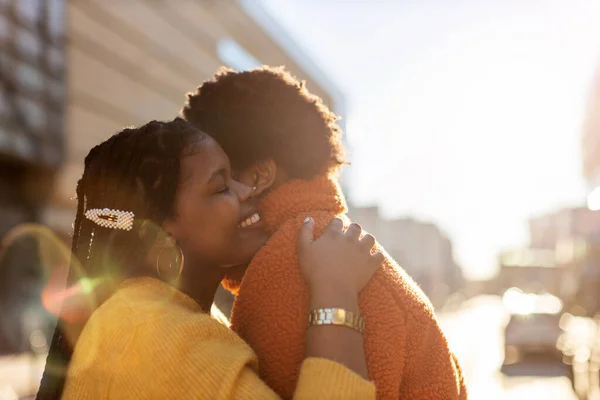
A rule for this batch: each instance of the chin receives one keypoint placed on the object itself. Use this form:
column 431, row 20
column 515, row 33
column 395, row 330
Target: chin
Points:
column 236, row 266
column 241, row 261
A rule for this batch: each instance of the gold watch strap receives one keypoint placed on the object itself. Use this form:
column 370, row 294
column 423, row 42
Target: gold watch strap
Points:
column 336, row 316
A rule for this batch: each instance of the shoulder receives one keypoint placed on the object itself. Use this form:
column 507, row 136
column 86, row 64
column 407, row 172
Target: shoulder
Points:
column 288, row 230
column 281, row 247
column 407, row 293
column 393, row 282
column 140, row 339
column 150, row 307
column 134, row 324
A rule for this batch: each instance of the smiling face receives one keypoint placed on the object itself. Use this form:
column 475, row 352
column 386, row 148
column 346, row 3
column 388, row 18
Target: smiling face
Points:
column 214, row 224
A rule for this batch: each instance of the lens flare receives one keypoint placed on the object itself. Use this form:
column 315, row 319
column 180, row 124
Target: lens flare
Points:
column 39, row 262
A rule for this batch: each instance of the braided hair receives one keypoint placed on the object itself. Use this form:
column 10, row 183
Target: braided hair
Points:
column 137, row 170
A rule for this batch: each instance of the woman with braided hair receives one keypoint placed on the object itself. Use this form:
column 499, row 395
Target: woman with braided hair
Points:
column 159, row 220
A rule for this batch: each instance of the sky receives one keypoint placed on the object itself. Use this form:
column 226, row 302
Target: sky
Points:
column 467, row 114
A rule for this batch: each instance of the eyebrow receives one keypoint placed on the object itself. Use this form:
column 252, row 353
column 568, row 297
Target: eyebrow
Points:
column 217, row 173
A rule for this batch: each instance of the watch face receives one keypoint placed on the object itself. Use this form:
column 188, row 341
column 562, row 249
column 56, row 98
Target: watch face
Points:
column 339, row 316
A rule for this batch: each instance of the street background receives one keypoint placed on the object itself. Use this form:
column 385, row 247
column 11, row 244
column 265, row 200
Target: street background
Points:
column 473, row 131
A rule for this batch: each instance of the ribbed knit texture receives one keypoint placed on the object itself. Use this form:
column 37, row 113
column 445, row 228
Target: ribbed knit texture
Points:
column 407, row 354
column 150, row 341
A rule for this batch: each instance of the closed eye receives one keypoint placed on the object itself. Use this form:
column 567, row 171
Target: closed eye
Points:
column 224, row 189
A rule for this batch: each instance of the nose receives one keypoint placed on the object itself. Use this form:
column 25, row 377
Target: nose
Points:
column 244, row 192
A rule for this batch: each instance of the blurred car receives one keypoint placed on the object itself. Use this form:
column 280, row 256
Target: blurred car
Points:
column 533, row 326
column 580, row 346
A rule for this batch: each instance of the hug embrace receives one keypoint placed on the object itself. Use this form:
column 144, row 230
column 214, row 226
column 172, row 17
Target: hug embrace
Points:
column 242, row 190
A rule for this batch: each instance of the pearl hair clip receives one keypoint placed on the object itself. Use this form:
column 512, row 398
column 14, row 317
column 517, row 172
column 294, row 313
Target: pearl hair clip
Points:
column 112, row 219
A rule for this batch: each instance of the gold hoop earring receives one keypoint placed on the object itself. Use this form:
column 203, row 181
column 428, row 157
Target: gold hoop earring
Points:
column 179, row 262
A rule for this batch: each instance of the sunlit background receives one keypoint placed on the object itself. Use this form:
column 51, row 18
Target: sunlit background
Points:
column 473, row 128
column 465, row 113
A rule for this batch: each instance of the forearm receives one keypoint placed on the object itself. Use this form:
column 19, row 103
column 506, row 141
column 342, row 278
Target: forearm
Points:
column 338, row 343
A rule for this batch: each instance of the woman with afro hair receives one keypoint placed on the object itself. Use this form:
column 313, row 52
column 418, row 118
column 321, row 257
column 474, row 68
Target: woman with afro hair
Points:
column 285, row 144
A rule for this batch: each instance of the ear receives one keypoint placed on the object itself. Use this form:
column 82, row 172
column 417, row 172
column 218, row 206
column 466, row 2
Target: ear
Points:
column 162, row 234
column 169, row 228
column 260, row 176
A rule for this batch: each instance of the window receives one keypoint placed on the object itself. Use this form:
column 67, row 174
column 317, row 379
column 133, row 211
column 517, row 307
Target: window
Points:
column 28, row 43
column 56, row 18
column 32, row 64
column 27, row 11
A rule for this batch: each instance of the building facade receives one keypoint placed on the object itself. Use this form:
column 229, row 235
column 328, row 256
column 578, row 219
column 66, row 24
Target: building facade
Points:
column 550, row 230
column 591, row 145
column 589, row 268
column 561, row 258
column 533, row 271
column 32, row 149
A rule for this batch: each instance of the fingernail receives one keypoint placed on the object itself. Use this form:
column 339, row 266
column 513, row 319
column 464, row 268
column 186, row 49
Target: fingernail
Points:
column 307, row 219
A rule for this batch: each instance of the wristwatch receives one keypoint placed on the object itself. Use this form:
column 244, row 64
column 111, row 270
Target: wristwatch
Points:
column 336, row 316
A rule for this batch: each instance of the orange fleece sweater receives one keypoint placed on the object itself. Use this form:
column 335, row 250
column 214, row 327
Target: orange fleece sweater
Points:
column 407, row 354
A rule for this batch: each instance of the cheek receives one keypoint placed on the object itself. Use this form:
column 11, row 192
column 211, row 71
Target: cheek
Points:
column 227, row 210
column 217, row 224
column 210, row 230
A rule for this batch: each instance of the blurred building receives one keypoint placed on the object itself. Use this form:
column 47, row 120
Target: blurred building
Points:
column 75, row 72
column 560, row 257
column 591, row 144
column 421, row 248
column 587, row 272
column 588, row 269
column 32, row 149
column 531, row 270
column 549, row 230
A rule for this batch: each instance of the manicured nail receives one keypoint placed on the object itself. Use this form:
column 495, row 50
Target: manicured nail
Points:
column 307, row 219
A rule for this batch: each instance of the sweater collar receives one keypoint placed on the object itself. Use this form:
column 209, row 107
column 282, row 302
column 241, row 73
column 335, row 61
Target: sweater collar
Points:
column 301, row 197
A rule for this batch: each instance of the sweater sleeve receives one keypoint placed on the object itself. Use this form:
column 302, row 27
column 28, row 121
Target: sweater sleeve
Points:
column 433, row 371
column 319, row 379
column 195, row 357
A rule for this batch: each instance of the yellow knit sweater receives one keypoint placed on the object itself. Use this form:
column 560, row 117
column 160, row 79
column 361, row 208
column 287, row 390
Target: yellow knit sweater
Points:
column 150, row 341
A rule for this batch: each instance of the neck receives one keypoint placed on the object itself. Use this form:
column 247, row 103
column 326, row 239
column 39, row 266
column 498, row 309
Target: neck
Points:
column 202, row 285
